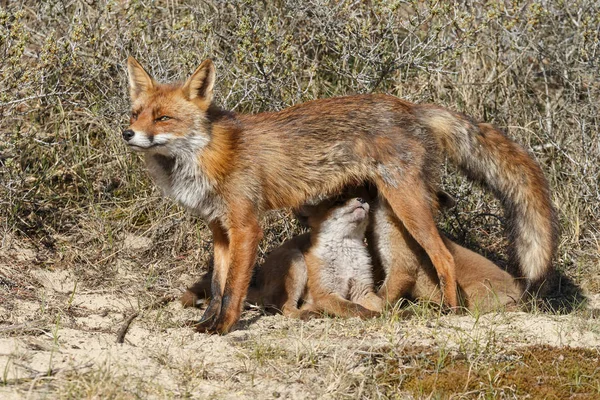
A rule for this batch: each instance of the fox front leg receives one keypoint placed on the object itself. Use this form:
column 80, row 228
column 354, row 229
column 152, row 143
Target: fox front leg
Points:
column 243, row 236
column 221, row 246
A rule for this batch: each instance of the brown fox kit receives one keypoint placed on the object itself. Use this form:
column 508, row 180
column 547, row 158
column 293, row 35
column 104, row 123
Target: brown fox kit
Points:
column 327, row 270
column 408, row 273
column 229, row 168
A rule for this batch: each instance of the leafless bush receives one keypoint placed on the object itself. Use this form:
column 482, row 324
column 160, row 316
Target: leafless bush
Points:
column 68, row 183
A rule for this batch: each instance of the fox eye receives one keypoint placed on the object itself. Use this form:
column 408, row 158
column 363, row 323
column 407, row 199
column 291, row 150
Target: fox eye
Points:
column 163, row 118
column 134, row 115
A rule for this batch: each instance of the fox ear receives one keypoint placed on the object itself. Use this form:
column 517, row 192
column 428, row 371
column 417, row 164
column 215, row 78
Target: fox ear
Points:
column 304, row 213
column 139, row 80
column 445, row 200
column 200, row 84
column 302, row 216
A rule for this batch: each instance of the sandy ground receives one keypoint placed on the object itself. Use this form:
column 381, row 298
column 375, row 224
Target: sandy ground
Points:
column 66, row 345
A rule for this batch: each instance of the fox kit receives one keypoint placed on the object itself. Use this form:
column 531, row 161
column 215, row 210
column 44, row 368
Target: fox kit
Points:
column 408, row 272
column 338, row 267
column 327, row 270
column 229, row 168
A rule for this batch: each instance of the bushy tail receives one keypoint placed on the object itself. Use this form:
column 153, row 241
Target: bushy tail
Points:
column 487, row 156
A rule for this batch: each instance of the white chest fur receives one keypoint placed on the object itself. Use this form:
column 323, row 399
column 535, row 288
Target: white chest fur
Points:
column 185, row 182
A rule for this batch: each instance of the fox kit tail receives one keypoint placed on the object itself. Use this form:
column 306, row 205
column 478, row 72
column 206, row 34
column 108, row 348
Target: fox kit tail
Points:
column 487, row 156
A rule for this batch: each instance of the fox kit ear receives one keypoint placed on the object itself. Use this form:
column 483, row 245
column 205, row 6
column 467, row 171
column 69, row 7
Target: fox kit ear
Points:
column 139, row 80
column 446, row 200
column 303, row 213
column 200, row 84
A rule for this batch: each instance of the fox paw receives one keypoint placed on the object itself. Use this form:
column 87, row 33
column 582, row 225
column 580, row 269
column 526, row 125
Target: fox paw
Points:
column 215, row 326
column 208, row 322
column 217, row 319
column 189, row 299
column 306, row 315
column 365, row 313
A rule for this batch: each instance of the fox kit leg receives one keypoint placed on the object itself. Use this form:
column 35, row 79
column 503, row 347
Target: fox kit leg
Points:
column 202, row 288
column 199, row 290
column 334, row 304
column 363, row 294
column 295, row 287
column 410, row 204
column 231, row 280
column 306, row 312
column 392, row 261
column 397, row 284
column 371, row 301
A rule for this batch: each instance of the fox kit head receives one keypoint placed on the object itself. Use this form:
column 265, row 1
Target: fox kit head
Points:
column 167, row 118
column 342, row 218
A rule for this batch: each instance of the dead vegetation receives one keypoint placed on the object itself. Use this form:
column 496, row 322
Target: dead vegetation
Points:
column 74, row 202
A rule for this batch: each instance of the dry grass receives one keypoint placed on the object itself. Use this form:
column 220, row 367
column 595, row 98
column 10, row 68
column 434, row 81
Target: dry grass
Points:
column 72, row 199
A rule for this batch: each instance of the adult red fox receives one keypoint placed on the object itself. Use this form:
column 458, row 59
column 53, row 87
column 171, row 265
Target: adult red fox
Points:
column 229, row 168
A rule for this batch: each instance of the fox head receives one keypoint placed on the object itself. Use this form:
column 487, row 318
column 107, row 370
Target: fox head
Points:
column 338, row 216
column 169, row 118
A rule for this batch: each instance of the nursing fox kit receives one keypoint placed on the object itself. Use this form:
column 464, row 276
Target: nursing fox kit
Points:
column 229, row 168
column 327, row 270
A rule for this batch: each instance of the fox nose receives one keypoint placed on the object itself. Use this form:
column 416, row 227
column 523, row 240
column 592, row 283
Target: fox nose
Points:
column 361, row 200
column 128, row 134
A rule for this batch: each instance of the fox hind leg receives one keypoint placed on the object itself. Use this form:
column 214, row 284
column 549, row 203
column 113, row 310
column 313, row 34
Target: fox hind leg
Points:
column 335, row 305
column 408, row 198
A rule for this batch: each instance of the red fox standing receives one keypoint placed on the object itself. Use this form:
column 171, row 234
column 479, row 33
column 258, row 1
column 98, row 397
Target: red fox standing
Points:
column 229, row 168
